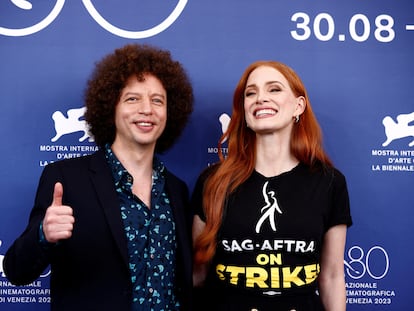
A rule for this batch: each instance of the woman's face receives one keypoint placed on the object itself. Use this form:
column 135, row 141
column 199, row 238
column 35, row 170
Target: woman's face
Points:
column 269, row 103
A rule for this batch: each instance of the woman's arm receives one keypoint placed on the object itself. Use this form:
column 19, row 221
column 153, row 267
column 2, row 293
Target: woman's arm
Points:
column 200, row 270
column 332, row 278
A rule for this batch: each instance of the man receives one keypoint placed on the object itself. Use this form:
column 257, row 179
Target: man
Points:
column 115, row 225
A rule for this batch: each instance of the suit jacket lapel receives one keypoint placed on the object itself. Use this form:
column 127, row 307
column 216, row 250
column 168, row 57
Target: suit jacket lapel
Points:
column 178, row 196
column 104, row 186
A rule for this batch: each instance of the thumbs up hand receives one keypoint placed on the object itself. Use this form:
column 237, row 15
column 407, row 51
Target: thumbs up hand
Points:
column 59, row 220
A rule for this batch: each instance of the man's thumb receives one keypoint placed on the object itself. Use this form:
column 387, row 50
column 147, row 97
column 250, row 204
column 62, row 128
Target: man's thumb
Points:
column 57, row 194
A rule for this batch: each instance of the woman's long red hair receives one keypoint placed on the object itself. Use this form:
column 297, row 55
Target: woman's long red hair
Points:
column 306, row 146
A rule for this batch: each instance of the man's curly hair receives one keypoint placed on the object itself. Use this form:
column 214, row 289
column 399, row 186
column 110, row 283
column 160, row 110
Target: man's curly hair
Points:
column 109, row 78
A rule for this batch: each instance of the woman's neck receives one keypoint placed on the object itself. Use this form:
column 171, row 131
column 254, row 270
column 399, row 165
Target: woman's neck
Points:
column 274, row 156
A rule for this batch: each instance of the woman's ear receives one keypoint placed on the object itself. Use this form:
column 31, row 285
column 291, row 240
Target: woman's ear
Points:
column 300, row 105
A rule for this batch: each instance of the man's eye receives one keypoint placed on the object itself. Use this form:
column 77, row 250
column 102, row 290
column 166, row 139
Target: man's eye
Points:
column 131, row 99
column 158, row 101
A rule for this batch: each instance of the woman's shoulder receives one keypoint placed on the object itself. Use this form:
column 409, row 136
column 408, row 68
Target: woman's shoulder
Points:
column 208, row 171
column 327, row 172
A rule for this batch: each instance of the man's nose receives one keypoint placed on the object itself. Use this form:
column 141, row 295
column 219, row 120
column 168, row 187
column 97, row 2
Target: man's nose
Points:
column 145, row 106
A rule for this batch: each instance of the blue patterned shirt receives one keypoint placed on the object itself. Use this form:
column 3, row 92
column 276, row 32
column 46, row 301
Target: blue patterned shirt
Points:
column 150, row 233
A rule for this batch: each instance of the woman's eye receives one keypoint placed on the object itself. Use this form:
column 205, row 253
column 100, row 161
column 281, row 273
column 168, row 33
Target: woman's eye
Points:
column 249, row 93
column 275, row 89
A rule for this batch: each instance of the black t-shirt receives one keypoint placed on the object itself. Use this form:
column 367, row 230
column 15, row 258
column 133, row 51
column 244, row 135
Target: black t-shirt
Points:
column 270, row 241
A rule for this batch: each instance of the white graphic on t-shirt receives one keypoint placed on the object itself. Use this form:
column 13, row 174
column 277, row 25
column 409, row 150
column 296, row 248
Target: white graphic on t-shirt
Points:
column 400, row 129
column 268, row 211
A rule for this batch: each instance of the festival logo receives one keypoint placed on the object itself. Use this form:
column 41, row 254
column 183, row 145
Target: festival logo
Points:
column 70, row 138
column 34, row 293
column 167, row 22
column 400, row 129
column 391, row 157
column 222, row 124
column 364, row 270
column 224, row 120
column 96, row 15
column 1, row 264
column 71, row 124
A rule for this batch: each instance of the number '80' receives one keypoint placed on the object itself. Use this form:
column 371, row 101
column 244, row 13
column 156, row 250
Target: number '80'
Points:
column 375, row 262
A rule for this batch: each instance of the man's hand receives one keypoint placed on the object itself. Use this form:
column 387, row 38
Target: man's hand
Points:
column 59, row 220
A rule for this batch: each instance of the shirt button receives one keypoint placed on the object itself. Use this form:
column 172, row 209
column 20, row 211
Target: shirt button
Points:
column 129, row 179
column 152, row 256
column 151, row 290
column 254, row 309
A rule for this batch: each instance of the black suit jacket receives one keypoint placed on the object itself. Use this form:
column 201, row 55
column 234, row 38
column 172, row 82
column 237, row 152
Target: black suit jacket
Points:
column 90, row 270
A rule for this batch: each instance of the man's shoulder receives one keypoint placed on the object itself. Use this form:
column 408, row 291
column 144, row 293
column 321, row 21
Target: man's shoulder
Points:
column 79, row 161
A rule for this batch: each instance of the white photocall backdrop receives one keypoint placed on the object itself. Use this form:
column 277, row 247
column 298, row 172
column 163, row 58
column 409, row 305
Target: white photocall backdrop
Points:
column 355, row 57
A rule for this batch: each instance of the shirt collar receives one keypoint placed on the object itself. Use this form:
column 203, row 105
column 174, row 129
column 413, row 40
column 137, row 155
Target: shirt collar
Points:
column 119, row 172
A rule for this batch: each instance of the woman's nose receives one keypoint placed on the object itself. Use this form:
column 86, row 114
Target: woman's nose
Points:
column 261, row 98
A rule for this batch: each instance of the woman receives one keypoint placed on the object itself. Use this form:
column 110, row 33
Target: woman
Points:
column 271, row 217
